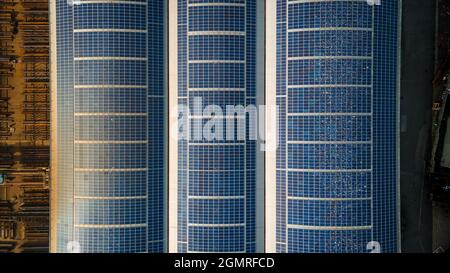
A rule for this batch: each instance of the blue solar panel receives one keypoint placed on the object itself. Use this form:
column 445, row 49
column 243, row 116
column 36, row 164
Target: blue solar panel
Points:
column 337, row 92
column 216, row 178
column 111, row 121
column 336, row 176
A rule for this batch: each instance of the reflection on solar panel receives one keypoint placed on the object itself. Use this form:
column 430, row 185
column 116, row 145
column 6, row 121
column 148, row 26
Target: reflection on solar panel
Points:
column 109, row 161
column 336, row 87
column 337, row 161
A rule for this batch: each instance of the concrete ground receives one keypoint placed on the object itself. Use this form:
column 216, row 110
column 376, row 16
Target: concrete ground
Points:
column 441, row 214
column 417, row 70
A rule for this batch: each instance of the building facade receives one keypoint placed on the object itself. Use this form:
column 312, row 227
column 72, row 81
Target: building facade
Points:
column 336, row 85
column 213, row 184
column 109, row 123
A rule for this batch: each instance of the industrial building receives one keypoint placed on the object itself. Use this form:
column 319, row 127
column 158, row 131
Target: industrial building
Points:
column 108, row 126
column 335, row 179
column 92, row 161
column 216, row 194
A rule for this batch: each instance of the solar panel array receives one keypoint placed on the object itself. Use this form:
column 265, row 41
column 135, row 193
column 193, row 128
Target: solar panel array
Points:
column 111, row 123
column 216, row 178
column 337, row 92
column 337, row 162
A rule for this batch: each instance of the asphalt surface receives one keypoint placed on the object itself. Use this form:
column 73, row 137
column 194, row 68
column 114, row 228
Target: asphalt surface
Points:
column 417, row 69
